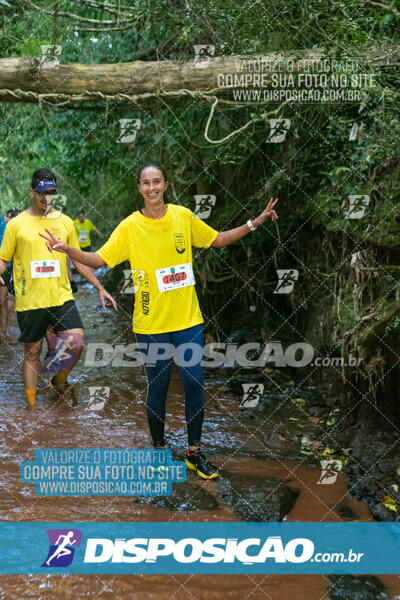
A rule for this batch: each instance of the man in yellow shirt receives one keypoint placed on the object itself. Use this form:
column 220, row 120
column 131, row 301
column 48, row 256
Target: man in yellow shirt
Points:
column 158, row 243
column 84, row 228
column 43, row 292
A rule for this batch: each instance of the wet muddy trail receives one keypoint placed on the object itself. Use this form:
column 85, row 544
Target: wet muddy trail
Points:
column 256, row 458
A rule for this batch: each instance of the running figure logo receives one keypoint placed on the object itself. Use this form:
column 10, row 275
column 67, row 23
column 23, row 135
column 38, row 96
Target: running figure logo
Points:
column 132, row 281
column 329, row 471
column 61, row 551
column 58, row 203
column 204, row 204
column 203, row 55
column 286, row 277
column 50, row 54
column 279, row 129
column 63, row 356
column 357, row 207
column 98, row 397
column 251, row 394
column 128, row 130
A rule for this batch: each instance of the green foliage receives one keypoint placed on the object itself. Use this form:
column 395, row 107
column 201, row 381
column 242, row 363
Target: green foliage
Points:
column 312, row 173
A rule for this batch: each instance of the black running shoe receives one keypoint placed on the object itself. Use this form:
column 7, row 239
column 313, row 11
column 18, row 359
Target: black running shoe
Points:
column 196, row 461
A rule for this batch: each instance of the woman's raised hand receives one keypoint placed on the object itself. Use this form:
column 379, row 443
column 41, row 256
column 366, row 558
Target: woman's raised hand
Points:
column 267, row 213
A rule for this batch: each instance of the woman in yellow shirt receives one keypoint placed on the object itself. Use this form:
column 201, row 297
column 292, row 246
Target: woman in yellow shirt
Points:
column 158, row 243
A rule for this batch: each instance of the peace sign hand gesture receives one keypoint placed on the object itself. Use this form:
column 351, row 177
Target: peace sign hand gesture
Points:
column 54, row 243
column 267, row 213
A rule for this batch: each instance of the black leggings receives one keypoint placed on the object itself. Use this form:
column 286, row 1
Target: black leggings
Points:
column 158, row 377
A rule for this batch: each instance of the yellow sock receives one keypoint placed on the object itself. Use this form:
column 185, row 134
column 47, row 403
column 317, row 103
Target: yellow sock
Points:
column 61, row 377
column 30, row 397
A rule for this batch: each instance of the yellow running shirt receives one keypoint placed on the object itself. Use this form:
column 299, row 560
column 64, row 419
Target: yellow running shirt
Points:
column 40, row 277
column 83, row 230
column 160, row 254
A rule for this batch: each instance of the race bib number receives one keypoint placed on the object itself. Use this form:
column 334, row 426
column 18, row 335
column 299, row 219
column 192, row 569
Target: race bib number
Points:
column 45, row 268
column 83, row 236
column 173, row 278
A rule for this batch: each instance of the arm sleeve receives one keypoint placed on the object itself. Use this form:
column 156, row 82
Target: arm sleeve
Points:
column 8, row 245
column 91, row 226
column 202, row 234
column 116, row 248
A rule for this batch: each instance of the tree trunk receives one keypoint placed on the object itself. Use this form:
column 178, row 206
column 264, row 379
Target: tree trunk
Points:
column 78, row 81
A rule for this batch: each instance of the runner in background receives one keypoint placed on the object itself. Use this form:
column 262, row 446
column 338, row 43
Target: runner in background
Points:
column 4, row 287
column 12, row 212
column 158, row 243
column 42, row 289
column 84, row 227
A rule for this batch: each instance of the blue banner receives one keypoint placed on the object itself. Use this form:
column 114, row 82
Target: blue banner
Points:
column 212, row 548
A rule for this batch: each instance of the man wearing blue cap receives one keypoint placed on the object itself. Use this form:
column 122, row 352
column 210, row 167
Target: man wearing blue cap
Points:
column 43, row 292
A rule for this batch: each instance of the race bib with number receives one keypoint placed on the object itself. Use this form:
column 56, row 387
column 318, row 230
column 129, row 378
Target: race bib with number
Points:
column 173, row 278
column 45, row 268
column 83, row 236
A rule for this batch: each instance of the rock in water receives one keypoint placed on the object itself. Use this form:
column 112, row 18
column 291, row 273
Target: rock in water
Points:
column 343, row 587
column 255, row 498
column 185, row 497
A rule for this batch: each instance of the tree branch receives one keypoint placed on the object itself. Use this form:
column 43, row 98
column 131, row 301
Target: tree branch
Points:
column 112, row 8
column 72, row 15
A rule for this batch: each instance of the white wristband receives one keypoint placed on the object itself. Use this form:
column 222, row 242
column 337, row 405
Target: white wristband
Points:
column 250, row 225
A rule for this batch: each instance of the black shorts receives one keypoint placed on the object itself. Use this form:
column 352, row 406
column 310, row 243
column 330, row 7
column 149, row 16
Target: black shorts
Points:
column 87, row 248
column 6, row 278
column 33, row 323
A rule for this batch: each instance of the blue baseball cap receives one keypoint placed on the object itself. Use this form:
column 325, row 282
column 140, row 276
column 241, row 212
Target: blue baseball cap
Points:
column 44, row 185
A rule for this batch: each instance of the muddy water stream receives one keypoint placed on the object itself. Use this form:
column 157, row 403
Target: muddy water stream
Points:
column 122, row 424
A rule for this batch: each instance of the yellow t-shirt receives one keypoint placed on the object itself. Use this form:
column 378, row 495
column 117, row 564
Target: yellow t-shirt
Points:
column 34, row 280
column 152, row 244
column 83, row 231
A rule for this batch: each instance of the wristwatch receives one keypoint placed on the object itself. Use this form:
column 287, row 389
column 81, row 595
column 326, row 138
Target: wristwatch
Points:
column 250, row 225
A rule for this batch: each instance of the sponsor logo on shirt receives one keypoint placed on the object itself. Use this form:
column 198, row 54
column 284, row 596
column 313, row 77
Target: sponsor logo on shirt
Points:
column 23, row 281
column 145, row 303
column 55, row 231
column 180, row 245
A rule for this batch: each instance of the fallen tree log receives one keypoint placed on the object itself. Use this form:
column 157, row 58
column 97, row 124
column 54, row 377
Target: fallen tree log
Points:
column 36, row 76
